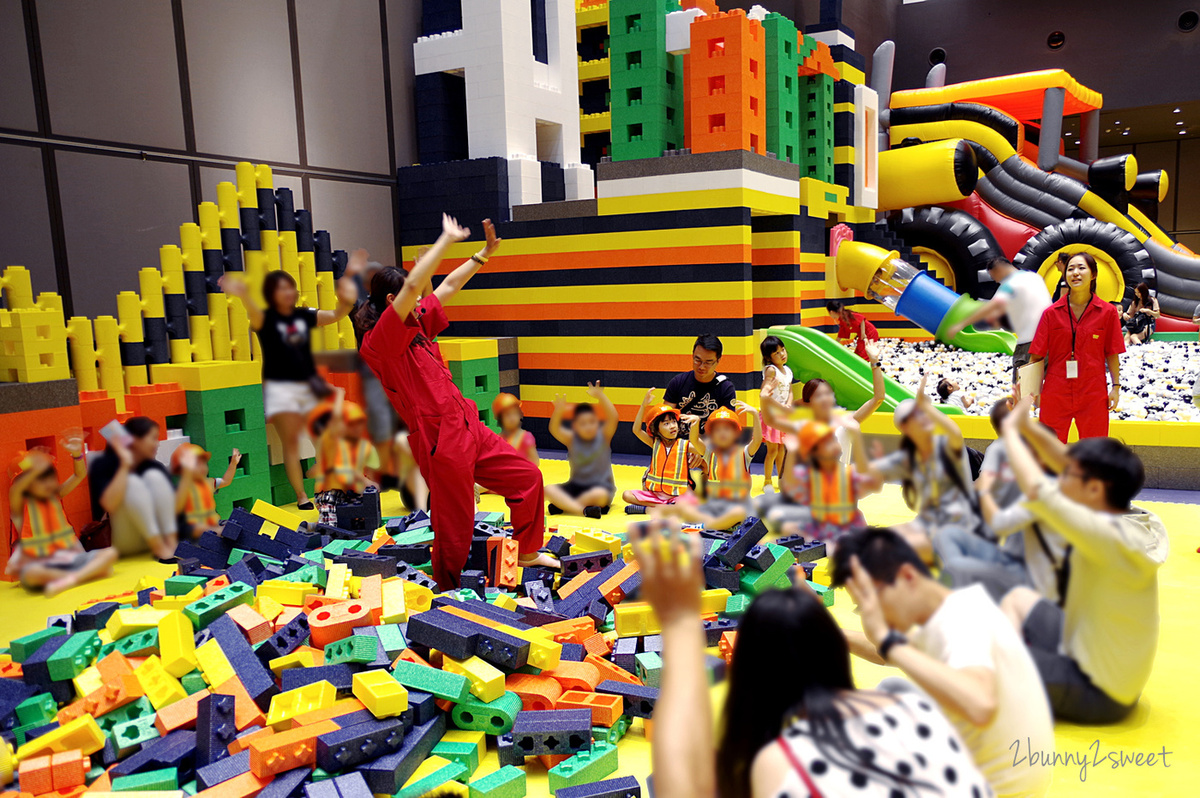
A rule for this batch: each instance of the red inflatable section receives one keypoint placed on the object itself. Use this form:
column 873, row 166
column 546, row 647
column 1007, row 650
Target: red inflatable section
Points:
column 1173, row 324
column 1010, row 234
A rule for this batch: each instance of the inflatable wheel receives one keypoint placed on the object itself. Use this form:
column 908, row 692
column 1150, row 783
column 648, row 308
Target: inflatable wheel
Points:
column 950, row 237
column 1122, row 261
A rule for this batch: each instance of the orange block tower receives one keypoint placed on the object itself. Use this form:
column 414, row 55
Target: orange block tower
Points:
column 726, row 84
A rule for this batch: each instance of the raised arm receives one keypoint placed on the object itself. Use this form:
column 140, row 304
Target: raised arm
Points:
column 643, row 435
column 233, row 285
column 878, row 388
column 456, row 279
column 954, row 436
column 230, row 470
column 347, row 290
column 74, row 447
column 1020, row 459
column 872, row 477
column 756, row 434
column 114, row 494
column 610, row 410
column 694, row 439
column 426, row 265
column 1044, row 441
column 987, row 311
column 557, row 430
column 683, row 758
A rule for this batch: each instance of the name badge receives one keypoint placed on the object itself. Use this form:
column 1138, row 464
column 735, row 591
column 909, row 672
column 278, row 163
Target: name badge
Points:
column 1072, row 369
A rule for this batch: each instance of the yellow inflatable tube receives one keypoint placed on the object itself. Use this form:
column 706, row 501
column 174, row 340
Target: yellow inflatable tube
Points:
column 926, row 174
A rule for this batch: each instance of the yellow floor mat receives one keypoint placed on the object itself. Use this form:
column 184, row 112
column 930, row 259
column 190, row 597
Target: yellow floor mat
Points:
column 1165, row 718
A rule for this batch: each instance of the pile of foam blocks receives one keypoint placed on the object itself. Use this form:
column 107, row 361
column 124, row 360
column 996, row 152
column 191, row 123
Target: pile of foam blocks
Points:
column 288, row 659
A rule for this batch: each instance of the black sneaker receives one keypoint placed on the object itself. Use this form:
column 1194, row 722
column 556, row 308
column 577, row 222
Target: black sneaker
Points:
column 552, row 509
column 389, row 482
column 306, row 506
column 634, row 509
column 592, row 512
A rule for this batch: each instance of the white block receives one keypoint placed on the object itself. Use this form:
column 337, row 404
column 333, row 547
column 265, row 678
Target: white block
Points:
column 679, row 30
column 866, row 147
column 833, row 37
column 580, row 182
column 757, row 12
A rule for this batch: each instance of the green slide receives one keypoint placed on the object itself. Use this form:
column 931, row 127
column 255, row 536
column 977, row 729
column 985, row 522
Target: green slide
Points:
column 814, row 354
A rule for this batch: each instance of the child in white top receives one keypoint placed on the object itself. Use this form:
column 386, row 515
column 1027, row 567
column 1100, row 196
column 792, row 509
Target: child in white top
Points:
column 777, row 381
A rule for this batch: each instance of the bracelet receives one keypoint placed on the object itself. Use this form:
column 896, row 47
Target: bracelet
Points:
column 876, row 365
column 80, row 457
column 480, row 259
column 892, row 639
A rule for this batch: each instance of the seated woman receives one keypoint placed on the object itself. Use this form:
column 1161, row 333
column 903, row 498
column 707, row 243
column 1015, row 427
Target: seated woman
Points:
column 812, row 733
column 136, row 492
column 1141, row 316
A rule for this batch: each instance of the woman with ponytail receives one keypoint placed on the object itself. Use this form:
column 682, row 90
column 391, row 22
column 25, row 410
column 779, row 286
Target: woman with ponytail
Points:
column 1079, row 338
column 452, row 447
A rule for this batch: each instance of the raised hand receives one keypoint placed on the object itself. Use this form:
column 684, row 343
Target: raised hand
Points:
column 357, row 262
column 453, row 230
column 233, row 285
column 560, row 403
column 594, row 390
column 235, row 456
column 923, row 399
column 671, row 566
column 493, row 240
column 648, row 399
column 862, row 591
column 872, row 348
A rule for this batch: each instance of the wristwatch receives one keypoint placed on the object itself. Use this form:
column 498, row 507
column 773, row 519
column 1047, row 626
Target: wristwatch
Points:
column 893, row 638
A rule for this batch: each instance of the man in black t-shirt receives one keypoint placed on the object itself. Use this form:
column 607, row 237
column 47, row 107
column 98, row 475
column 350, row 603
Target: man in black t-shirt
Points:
column 702, row 390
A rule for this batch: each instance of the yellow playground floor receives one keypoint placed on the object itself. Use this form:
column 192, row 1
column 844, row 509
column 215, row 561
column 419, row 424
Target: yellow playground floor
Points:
column 1099, row 761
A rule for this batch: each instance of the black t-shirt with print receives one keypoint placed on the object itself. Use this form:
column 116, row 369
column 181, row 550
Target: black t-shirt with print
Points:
column 287, row 345
column 699, row 398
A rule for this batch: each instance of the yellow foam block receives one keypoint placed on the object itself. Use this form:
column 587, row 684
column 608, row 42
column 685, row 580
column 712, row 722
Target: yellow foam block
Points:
column 160, row 687
column 336, row 582
column 82, row 733
column 289, row 594
column 714, row 600
column 416, row 597
column 213, row 664
column 268, row 607
column 209, row 376
column 505, row 602
column 88, row 681
column 297, row 659
column 132, row 621
column 380, row 693
column 177, row 644
column 476, row 738
column 460, row 349
column 394, row 608
column 269, row 512
column 487, row 683
column 285, row 706
column 587, row 540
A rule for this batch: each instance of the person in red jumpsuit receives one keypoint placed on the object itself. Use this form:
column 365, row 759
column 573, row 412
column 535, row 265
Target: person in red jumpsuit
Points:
column 852, row 327
column 1079, row 337
column 452, row 447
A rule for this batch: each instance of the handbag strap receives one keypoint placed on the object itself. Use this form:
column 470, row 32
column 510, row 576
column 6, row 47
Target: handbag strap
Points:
column 813, row 790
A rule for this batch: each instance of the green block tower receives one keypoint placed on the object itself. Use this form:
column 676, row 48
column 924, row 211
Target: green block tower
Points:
column 783, row 88
column 223, row 419
column 646, row 82
column 816, row 127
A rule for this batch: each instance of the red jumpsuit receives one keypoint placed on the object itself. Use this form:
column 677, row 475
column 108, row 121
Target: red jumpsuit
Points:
column 1096, row 334
column 452, row 447
column 850, row 332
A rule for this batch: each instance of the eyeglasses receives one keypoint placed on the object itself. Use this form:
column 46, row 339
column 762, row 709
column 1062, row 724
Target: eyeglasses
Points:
column 698, row 362
column 1072, row 471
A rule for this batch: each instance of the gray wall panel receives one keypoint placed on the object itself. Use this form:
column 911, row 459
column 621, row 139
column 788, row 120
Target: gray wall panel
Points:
column 117, row 213
column 111, row 70
column 356, row 215
column 404, row 26
column 211, row 175
column 24, row 219
column 240, row 70
column 16, row 86
column 341, row 67
column 1189, row 188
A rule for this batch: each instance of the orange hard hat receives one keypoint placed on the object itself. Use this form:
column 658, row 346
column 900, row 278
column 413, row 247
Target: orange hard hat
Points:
column 504, row 401
column 351, row 412
column 182, row 450
column 812, row 434
column 726, row 415
column 655, row 412
column 26, row 459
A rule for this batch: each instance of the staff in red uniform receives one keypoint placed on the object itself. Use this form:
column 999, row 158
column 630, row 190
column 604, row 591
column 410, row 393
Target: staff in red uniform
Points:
column 452, row 447
column 852, row 327
column 1078, row 336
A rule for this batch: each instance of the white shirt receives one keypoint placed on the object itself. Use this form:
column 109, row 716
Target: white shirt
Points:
column 957, row 399
column 1026, row 298
column 967, row 631
column 1110, row 623
column 783, row 384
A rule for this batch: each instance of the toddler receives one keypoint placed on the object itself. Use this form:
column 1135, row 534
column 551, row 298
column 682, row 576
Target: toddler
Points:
column 591, row 487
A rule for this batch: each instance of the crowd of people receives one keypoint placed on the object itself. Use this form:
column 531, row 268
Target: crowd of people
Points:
column 1024, row 588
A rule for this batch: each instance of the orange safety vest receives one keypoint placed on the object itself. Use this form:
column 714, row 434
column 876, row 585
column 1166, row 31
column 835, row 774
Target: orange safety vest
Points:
column 832, row 496
column 346, row 470
column 668, row 471
column 729, row 477
column 45, row 528
column 200, row 505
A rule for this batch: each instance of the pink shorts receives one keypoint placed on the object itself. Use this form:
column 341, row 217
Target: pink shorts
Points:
column 650, row 497
column 772, row 435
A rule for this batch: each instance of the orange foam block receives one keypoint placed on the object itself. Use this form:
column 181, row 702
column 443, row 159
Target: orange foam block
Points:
column 282, row 751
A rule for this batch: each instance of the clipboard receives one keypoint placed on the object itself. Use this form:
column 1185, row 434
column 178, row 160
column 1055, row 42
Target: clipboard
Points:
column 1029, row 378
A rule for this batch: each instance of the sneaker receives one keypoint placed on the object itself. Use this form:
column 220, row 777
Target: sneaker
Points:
column 306, row 506
column 389, row 482
column 552, row 509
column 634, row 509
column 592, row 512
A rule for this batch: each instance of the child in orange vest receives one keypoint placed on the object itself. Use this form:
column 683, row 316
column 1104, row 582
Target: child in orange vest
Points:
column 821, row 493
column 667, row 478
column 726, row 470
column 195, row 495
column 343, row 451
column 45, row 552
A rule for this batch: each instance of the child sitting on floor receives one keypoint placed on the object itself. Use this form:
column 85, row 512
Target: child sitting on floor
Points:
column 777, row 382
column 47, row 554
column 822, row 494
column 591, row 487
column 343, row 451
column 506, row 409
column 727, row 470
column 195, row 499
column 666, row 478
